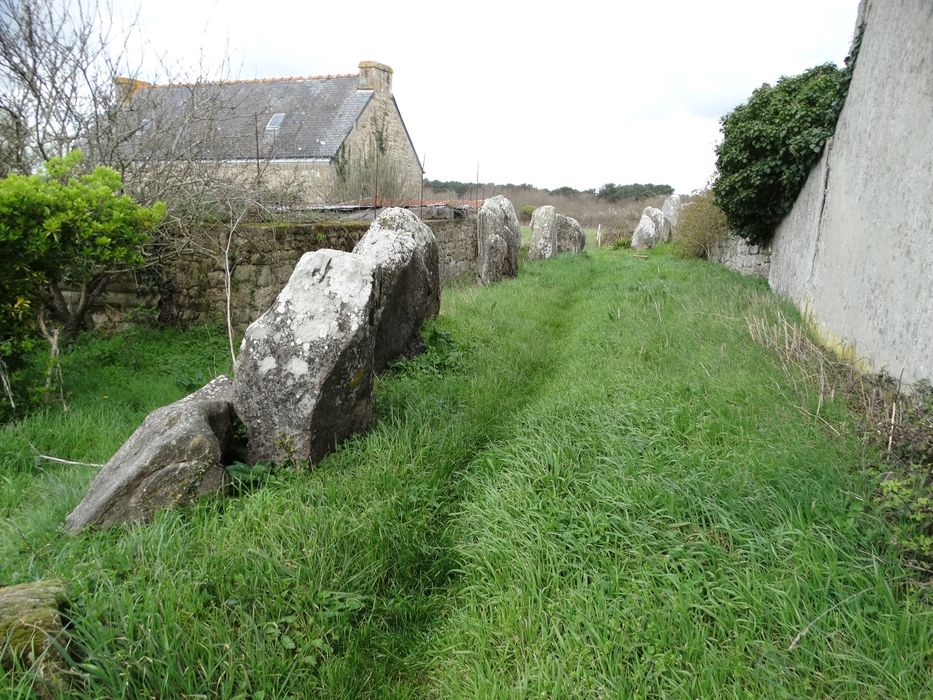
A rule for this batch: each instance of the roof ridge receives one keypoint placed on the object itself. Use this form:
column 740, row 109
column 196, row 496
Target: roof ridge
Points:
column 252, row 81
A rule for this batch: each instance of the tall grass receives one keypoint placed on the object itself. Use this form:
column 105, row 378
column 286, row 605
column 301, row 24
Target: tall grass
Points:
column 593, row 484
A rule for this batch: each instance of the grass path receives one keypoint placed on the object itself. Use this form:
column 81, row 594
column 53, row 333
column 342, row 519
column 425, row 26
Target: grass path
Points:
column 593, row 485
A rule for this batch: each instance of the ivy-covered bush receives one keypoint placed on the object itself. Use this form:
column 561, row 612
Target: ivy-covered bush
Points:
column 770, row 143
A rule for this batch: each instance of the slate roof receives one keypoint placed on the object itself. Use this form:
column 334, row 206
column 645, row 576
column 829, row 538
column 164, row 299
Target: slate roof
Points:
column 224, row 118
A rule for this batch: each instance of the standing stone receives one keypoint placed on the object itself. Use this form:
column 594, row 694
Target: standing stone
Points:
column 543, row 233
column 671, row 209
column 30, row 632
column 498, row 240
column 405, row 252
column 570, row 235
column 652, row 229
column 173, row 458
column 304, row 375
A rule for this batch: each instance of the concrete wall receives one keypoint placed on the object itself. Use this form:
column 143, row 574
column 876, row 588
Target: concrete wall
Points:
column 856, row 251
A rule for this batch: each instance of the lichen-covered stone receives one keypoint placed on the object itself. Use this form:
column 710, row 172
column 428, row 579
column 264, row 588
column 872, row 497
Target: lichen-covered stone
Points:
column 571, row 238
column 653, row 229
column 543, row 233
column 31, row 631
column 173, row 458
column 405, row 252
column 671, row 209
column 304, row 374
column 498, row 240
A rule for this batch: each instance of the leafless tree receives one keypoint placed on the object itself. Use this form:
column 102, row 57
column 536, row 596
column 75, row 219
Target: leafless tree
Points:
column 57, row 62
column 66, row 81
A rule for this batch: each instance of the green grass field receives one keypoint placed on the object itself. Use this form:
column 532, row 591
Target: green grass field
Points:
column 594, row 484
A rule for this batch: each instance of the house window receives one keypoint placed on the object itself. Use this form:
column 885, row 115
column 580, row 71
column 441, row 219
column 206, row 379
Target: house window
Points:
column 275, row 122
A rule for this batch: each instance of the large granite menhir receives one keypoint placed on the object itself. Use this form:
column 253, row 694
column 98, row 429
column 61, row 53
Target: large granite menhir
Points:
column 553, row 233
column 305, row 370
column 404, row 251
column 498, row 240
column 172, row 459
column 653, row 229
column 570, row 235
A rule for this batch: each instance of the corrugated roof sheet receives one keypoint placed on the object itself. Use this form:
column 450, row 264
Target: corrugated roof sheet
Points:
column 226, row 121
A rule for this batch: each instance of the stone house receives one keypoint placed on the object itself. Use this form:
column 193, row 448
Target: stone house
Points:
column 328, row 139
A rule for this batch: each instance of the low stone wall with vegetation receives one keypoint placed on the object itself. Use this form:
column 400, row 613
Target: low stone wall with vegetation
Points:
column 456, row 245
column 262, row 257
column 738, row 254
column 190, row 288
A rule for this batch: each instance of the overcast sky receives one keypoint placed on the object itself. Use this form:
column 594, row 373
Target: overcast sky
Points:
column 578, row 93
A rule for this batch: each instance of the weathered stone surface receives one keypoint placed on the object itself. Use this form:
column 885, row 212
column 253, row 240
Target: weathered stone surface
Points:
column 671, row 209
column 172, row 459
column 855, row 253
column 652, row 229
column 543, row 233
column 30, row 628
column 304, row 374
column 405, row 251
column 570, row 235
column 738, row 254
column 498, row 240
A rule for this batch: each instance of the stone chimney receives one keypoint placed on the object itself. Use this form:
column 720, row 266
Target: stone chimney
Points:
column 125, row 88
column 376, row 76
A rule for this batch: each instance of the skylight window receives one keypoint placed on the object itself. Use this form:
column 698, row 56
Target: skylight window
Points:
column 275, row 122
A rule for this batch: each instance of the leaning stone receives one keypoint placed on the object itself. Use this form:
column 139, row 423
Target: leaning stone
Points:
column 405, row 252
column 661, row 224
column 543, row 233
column 173, row 458
column 305, row 371
column 498, row 240
column 652, row 229
column 31, row 633
column 645, row 234
column 571, row 237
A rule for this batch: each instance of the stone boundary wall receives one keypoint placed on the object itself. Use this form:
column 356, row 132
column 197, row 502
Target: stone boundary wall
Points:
column 456, row 242
column 856, row 251
column 262, row 259
column 737, row 254
column 190, row 290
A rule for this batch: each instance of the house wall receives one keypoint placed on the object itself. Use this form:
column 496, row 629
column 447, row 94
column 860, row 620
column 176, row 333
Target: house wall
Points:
column 399, row 163
column 856, row 251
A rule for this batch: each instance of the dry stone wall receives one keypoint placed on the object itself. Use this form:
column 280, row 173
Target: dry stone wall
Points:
column 190, row 290
column 738, row 254
column 262, row 259
column 455, row 231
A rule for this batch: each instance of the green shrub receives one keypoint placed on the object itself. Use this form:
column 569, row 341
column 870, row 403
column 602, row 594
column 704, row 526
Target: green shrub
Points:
column 622, row 243
column 769, row 145
column 527, row 211
column 61, row 230
column 701, row 225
